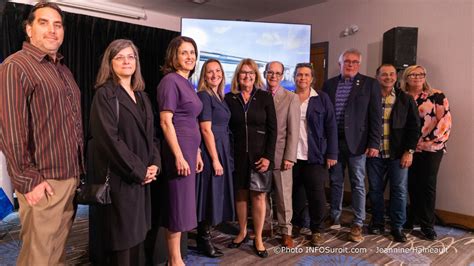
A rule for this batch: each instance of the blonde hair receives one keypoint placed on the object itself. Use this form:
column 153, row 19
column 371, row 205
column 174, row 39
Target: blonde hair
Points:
column 404, row 82
column 235, row 80
column 203, row 86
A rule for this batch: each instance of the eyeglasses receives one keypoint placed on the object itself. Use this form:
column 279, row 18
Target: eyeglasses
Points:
column 245, row 73
column 276, row 74
column 416, row 75
column 353, row 62
column 128, row 57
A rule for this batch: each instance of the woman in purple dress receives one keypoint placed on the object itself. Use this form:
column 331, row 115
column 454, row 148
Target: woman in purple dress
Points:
column 179, row 107
column 215, row 190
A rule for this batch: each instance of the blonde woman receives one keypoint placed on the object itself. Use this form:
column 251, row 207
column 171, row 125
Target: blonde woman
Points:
column 214, row 185
column 435, row 118
column 253, row 125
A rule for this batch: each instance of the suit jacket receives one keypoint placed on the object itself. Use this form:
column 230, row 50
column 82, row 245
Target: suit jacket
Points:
column 287, row 108
column 127, row 149
column 404, row 125
column 362, row 123
column 254, row 132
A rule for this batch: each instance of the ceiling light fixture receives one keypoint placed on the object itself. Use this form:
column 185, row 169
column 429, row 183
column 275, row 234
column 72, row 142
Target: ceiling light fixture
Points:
column 102, row 7
column 199, row 2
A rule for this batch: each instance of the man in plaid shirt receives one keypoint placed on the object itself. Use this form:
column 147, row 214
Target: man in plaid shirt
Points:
column 401, row 129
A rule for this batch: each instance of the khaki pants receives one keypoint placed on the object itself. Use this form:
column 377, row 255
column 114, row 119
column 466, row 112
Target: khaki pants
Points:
column 282, row 187
column 46, row 225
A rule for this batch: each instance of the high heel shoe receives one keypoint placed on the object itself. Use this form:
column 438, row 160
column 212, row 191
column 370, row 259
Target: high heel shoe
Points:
column 233, row 244
column 260, row 253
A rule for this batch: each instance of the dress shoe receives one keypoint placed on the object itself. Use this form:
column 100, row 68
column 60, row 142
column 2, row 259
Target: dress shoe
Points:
column 260, row 253
column 355, row 235
column 398, row 235
column 317, row 239
column 233, row 244
column 429, row 233
column 287, row 241
column 376, row 229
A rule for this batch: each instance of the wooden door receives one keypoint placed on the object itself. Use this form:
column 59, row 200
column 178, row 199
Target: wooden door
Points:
column 319, row 59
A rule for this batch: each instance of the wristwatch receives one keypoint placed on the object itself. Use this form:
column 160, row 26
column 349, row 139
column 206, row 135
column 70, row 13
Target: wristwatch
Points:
column 411, row 151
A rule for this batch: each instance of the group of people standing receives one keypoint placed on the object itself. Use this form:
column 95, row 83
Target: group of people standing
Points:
column 218, row 153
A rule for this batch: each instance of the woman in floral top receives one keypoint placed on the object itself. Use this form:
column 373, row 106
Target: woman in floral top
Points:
column 435, row 119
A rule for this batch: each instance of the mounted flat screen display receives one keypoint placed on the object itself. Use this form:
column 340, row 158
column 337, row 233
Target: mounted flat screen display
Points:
column 231, row 41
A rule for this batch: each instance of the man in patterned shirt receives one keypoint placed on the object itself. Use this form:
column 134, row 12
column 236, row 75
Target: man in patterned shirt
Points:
column 401, row 129
column 41, row 136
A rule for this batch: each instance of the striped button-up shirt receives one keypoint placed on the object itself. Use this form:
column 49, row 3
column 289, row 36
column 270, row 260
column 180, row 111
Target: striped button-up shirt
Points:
column 40, row 119
column 342, row 95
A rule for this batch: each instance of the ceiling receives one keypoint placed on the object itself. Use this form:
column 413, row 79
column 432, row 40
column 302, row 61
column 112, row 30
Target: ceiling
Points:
column 221, row 9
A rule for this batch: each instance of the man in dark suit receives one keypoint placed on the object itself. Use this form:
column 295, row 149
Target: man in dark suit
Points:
column 401, row 130
column 356, row 99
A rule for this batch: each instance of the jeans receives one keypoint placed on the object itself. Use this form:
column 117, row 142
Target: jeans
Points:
column 377, row 170
column 356, row 166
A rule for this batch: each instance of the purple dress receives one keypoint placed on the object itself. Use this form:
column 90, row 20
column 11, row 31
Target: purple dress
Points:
column 177, row 95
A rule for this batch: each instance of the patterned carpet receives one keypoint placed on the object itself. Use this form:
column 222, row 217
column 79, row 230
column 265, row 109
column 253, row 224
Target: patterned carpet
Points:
column 453, row 247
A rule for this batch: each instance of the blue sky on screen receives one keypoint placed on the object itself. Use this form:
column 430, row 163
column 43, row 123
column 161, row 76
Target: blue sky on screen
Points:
column 230, row 41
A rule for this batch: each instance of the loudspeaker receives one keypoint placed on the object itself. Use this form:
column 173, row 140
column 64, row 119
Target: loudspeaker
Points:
column 399, row 47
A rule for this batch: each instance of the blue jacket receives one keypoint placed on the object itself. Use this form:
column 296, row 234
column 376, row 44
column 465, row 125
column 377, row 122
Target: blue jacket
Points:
column 362, row 123
column 322, row 129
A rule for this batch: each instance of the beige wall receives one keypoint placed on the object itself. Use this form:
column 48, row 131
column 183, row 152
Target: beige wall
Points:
column 445, row 47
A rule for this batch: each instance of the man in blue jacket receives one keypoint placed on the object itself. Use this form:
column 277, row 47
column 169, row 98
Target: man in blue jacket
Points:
column 356, row 99
column 401, row 130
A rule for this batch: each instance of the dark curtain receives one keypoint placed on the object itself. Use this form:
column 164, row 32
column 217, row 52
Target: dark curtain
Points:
column 85, row 40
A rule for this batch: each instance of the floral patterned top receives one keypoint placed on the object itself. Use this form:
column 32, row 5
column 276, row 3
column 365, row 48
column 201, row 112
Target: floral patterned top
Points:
column 435, row 119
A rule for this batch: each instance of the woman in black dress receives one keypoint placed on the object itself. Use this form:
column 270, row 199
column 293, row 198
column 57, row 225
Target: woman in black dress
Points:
column 253, row 125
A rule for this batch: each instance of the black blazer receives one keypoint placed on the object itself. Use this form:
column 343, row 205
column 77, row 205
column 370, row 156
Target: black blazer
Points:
column 254, row 132
column 404, row 125
column 362, row 123
column 128, row 150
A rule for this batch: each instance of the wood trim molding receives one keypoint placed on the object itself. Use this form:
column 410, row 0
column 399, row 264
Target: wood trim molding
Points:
column 446, row 216
column 456, row 218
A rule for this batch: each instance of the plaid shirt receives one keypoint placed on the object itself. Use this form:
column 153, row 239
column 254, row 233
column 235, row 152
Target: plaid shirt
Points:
column 387, row 105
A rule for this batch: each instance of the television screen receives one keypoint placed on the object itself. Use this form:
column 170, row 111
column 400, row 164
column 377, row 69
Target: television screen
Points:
column 231, row 41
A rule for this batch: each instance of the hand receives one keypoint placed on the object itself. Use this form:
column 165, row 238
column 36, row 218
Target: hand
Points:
column 287, row 165
column 150, row 174
column 38, row 193
column 330, row 163
column 406, row 160
column 199, row 163
column 262, row 165
column 182, row 167
column 371, row 152
column 217, row 168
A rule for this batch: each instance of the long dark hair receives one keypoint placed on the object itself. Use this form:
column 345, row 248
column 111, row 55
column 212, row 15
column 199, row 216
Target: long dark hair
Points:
column 106, row 71
column 171, row 59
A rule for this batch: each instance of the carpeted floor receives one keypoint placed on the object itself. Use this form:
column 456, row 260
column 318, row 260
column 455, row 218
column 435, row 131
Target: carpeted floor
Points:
column 453, row 247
